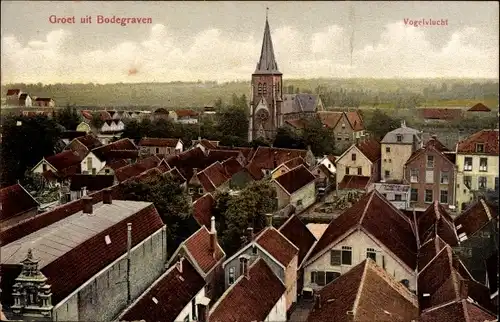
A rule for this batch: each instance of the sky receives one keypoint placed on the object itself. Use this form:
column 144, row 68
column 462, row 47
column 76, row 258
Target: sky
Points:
column 221, row 41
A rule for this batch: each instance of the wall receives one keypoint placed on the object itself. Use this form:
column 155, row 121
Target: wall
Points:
column 187, row 310
column 307, row 194
column 291, row 283
column 104, row 296
column 344, row 133
column 235, row 262
column 359, row 242
column 475, row 174
column 395, row 160
column 283, row 197
column 278, row 312
column 346, row 161
column 441, row 164
column 96, row 163
column 279, row 171
column 39, row 167
column 391, row 190
column 188, row 120
column 161, row 150
column 83, row 127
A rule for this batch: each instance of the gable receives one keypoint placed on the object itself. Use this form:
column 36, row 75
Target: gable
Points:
column 345, row 158
column 343, row 120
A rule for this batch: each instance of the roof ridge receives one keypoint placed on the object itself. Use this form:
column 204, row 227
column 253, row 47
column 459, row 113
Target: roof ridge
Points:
column 288, row 240
column 433, row 258
column 366, row 208
column 360, row 288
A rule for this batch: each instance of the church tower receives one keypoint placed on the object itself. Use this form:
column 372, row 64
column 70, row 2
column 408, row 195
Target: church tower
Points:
column 266, row 95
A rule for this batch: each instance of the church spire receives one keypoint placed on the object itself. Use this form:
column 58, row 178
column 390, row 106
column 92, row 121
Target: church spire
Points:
column 267, row 62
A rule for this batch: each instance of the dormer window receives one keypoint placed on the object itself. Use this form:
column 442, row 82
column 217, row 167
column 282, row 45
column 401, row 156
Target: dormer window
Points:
column 399, row 138
column 480, row 148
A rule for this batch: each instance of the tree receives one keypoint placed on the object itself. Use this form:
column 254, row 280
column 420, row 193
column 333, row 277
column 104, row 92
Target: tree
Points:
column 319, row 137
column 25, row 141
column 97, row 120
column 172, row 204
column 286, row 138
column 247, row 209
column 380, row 124
column 68, row 117
column 133, row 130
column 233, row 121
column 162, row 128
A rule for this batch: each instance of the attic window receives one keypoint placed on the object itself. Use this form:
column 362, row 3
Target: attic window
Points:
column 479, row 147
column 462, row 237
column 155, row 300
column 459, row 226
column 399, row 138
column 107, row 239
column 181, row 278
column 343, row 125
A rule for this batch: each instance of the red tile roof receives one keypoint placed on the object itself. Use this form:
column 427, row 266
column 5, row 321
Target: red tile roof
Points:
column 137, row 168
column 163, row 166
column 354, row 182
column 247, row 152
column 202, row 209
column 176, row 175
column 94, row 254
column 167, row 297
column 268, row 158
column 487, row 137
column 433, row 145
column 87, row 114
column 370, row 149
column 295, row 162
column 249, row 299
column 448, row 114
column 186, row 161
column 64, row 160
column 213, row 177
column 377, row 217
column 122, row 154
column 14, row 200
column 146, row 176
column 429, row 250
column 186, row 113
column 222, row 155
column 298, row 233
column 355, row 120
column 475, row 217
column 479, row 107
column 13, row 92
column 458, row 311
column 295, row 179
column 330, row 118
column 206, row 143
column 445, row 279
column 158, row 142
column 370, row 293
column 102, row 152
column 117, row 164
column 89, row 141
column 436, row 221
column 332, row 158
column 232, row 166
column 198, row 246
column 277, row 245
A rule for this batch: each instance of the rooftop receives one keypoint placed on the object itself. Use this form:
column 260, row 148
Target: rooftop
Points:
column 276, row 244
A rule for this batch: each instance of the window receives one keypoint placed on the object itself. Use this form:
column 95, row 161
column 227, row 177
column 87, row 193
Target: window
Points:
column 399, row 138
column 496, row 183
column 414, row 194
column 200, row 190
column 347, row 170
column 299, row 202
column 339, row 138
column 335, row 256
column 318, row 171
column 314, row 277
column 343, row 125
column 94, row 171
column 483, row 164
column 106, row 171
column 157, row 150
column 346, row 137
column 260, row 88
column 331, row 276
column 191, row 191
column 346, row 255
column 254, row 250
column 44, row 167
column 481, row 182
column 371, row 253
column 443, row 196
column 479, row 148
column 387, row 173
column 89, row 164
column 264, row 89
column 320, row 278
column 429, row 176
column 430, row 161
column 468, row 164
column 353, row 157
column 414, row 175
column 428, row 196
column 329, row 166
column 231, row 275
column 360, row 171
column 444, row 177
column 388, row 149
column 468, row 181
column 398, row 197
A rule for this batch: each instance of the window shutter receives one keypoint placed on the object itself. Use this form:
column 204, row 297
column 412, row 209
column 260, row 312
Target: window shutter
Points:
column 320, row 278
column 335, row 256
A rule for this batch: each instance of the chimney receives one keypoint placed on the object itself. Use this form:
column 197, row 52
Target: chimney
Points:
column 269, row 219
column 249, row 234
column 213, row 236
column 309, row 147
column 84, row 191
column 403, row 123
column 244, row 266
column 203, row 313
column 199, row 139
column 179, row 264
column 129, row 248
column 107, row 196
column 87, row 205
column 317, row 301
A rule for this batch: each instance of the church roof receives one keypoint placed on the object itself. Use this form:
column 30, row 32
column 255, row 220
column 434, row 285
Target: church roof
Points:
column 267, row 62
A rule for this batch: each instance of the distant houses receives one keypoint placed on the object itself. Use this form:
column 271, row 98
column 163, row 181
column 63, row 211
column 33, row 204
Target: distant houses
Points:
column 17, row 97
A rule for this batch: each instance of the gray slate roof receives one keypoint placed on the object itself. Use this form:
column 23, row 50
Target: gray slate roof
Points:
column 267, row 63
column 299, row 103
column 53, row 241
column 408, row 135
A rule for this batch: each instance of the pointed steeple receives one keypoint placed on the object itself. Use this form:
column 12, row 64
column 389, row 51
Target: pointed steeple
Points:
column 267, row 62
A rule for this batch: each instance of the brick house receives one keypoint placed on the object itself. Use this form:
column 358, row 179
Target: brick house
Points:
column 431, row 173
column 348, row 127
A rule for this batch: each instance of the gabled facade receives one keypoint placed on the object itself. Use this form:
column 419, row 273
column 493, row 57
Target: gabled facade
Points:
column 477, row 163
column 432, row 174
column 371, row 228
column 296, row 187
column 348, row 127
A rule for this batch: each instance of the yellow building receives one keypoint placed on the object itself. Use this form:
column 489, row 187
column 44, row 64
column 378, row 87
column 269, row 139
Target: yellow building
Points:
column 477, row 162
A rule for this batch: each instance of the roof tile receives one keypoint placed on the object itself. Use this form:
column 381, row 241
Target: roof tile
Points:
column 295, row 179
column 475, row 217
column 14, row 200
column 277, row 245
column 159, row 142
column 487, row 137
column 198, row 246
column 298, row 233
column 202, row 209
column 354, row 182
column 479, row 107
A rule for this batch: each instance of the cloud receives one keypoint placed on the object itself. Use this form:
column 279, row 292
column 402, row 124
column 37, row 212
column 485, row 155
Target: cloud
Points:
column 401, row 51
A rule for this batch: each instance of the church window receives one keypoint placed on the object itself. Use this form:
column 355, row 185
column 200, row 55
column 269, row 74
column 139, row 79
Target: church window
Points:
column 260, row 88
column 264, row 89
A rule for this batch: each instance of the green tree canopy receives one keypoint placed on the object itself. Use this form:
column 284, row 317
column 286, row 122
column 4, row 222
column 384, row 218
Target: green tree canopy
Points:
column 287, row 138
column 96, row 121
column 68, row 117
column 25, row 141
column 380, row 124
column 320, row 138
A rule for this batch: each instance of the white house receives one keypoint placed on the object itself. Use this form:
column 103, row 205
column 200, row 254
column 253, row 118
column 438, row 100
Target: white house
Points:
column 371, row 228
column 177, row 296
column 258, row 294
column 91, row 164
column 327, row 161
column 112, row 126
